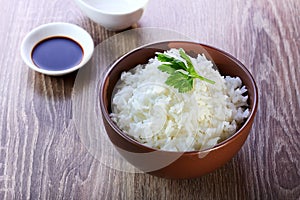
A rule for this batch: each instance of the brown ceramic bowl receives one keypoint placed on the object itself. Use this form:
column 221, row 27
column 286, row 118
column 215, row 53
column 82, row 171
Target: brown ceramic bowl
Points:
column 176, row 164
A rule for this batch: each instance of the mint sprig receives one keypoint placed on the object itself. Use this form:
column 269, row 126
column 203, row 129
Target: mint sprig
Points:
column 181, row 75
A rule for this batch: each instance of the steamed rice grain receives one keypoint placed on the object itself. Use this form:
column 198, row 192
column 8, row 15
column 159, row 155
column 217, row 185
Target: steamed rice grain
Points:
column 158, row 116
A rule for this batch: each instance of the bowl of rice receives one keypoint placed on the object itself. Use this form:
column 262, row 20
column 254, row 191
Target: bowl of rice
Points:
column 178, row 109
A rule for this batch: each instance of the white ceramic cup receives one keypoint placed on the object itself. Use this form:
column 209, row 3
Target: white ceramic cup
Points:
column 114, row 15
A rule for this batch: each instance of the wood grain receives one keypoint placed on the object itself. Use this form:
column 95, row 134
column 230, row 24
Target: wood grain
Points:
column 42, row 157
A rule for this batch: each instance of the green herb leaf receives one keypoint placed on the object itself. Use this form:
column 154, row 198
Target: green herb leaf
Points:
column 187, row 59
column 180, row 81
column 176, row 64
column 181, row 75
column 167, row 68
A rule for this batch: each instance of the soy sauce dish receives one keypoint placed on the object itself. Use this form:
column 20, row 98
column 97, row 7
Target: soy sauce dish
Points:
column 57, row 48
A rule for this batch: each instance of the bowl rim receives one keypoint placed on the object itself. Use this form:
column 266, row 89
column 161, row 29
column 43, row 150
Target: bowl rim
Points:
column 194, row 152
column 87, row 5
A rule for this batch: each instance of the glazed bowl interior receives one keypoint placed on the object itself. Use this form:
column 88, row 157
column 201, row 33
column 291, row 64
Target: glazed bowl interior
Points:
column 226, row 64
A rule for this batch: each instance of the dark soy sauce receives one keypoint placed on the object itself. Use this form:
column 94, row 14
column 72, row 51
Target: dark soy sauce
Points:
column 57, row 53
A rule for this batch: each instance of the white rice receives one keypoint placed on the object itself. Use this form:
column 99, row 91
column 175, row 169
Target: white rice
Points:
column 158, row 116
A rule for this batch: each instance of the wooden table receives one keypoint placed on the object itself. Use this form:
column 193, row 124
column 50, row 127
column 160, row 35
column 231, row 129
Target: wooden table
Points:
column 42, row 156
